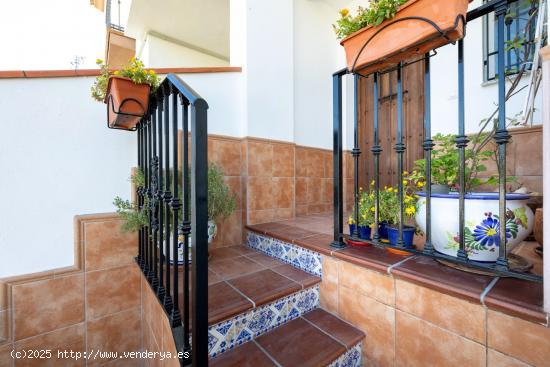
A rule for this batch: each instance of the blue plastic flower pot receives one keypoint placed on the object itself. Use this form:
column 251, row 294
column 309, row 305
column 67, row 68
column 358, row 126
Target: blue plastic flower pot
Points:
column 383, row 230
column 408, row 235
column 351, row 229
column 364, row 232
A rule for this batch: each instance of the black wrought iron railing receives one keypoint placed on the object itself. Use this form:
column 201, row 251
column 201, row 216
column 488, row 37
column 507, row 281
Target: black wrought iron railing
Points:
column 501, row 267
column 174, row 199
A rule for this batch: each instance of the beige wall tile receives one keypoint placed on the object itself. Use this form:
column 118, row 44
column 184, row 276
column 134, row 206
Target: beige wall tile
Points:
column 260, row 193
column 283, row 160
column 67, row 339
column 120, row 332
column 329, row 284
column 260, row 159
column 454, row 314
column 46, row 305
column 283, row 214
column 521, row 339
column 314, row 186
column 370, row 283
column 528, row 154
column 152, row 312
column 260, row 216
column 301, row 163
column 283, row 192
column 315, row 165
column 301, row 190
column 497, row 359
column 150, row 344
column 5, row 326
column 234, row 183
column 5, row 356
column 112, row 290
column 168, row 345
column 419, row 343
column 107, row 246
column 229, row 231
column 3, row 296
column 374, row 318
column 226, row 154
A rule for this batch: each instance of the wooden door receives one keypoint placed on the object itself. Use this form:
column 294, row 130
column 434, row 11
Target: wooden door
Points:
column 413, row 123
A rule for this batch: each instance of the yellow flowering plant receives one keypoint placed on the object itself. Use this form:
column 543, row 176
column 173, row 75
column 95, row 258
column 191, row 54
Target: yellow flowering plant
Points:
column 134, row 70
column 390, row 204
column 376, row 12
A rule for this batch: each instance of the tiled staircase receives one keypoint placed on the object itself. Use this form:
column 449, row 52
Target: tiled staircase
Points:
column 264, row 311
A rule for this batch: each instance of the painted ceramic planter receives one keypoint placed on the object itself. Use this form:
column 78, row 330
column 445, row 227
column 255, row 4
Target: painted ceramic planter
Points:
column 127, row 102
column 212, row 231
column 482, row 223
column 406, row 35
column 408, row 235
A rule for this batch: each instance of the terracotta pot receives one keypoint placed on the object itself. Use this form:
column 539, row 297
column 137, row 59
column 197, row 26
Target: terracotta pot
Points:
column 127, row 102
column 538, row 226
column 399, row 39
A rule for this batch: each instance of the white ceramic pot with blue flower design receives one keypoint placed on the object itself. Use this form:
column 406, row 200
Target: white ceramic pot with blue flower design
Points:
column 482, row 223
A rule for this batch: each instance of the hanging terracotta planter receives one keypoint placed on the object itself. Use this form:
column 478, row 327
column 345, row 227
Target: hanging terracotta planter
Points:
column 127, row 102
column 418, row 27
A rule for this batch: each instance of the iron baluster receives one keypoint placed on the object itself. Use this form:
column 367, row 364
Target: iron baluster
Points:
column 155, row 195
column 461, row 144
column 356, row 152
column 428, row 146
column 337, row 160
column 501, row 138
column 186, row 223
column 376, row 150
column 149, row 208
column 139, row 195
column 167, row 302
column 161, row 291
column 400, row 149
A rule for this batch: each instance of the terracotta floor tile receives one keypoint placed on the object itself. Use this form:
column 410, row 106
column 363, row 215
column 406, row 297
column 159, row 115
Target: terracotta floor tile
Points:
column 319, row 242
column 224, row 302
column 332, row 325
column 5, row 356
column 67, row 339
column 298, row 343
column 290, row 234
column 235, row 267
column 497, row 359
column 297, row 275
column 47, row 305
column 264, row 260
column 223, row 253
column 243, row 250
column 421, row 344
column 263, row 227
column 212, row 278
column 265, row 286
column 247, row 355
column 370, row 257
column 112, row 290
column 518, row 297
column 430, row 273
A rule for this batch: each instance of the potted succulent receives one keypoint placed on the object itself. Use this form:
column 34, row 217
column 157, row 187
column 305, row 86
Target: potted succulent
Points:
column 482, row 221
column 125, row 91
column 221, row 204
column 390, row 31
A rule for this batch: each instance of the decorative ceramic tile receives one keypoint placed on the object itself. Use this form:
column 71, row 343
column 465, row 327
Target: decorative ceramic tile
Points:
column 244, row 327
column 299, row 257
column 352, row 358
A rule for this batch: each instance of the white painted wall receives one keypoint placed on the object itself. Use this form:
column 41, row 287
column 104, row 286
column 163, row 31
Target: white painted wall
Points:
column 159, row 53
column 58, row 159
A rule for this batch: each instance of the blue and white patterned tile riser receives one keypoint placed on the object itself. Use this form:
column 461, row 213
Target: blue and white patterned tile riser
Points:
column 244, row 327
column 352, row 358
column 299, row 257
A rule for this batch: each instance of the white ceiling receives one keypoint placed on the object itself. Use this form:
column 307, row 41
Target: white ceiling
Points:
column 200, row 23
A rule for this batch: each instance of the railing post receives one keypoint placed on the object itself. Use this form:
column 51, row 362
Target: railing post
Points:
column 400, row 149
column 186, row 223
column 149, row 198
column 199, row 224
column 161, row 291
column 337, row 160
column 139, row 195
column 167, row 197
column 461, row 143
column 356, row 152
column 155, row 195
column 376, row 150
column 428, row 146
column 501, row 137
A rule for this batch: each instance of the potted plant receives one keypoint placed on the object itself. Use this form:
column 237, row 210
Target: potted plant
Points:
column 482, row 221
column 390, row 208
column 221, row 204
column 390, row 31
column 126, row 92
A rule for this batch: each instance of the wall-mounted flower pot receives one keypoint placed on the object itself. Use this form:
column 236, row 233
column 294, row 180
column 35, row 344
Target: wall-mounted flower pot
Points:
column 127, row 102
column 408, row 235
column 418, row 27
column 482, row 224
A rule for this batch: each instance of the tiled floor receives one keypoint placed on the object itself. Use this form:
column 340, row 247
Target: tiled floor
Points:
column 509, row 295
column 240, row 278
column 315, row 339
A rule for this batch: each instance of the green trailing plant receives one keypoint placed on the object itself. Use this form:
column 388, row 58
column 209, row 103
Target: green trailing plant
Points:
column 134, row 70
column 221, row 201
column 374, row 14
